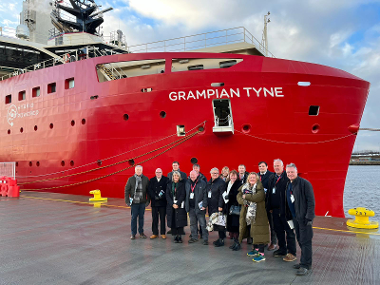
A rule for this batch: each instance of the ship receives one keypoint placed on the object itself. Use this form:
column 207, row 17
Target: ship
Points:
column 79, row 113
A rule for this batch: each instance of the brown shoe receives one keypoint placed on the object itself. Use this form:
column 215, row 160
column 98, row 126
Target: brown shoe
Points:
column 272, row 247
column 163, row 236
column 133, row 237
column 153, row 237
column 143, row 236
column 289, row 257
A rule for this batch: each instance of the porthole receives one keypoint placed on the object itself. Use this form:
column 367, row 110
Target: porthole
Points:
column 30, row 163
column 246, row 128
column 35, row 128
column 21, row 130
column 194, row 160
column 72, row 163
column 16, row 164
column 131, row 162
column 315, row 128
column 51, row 126
column 9, row 132
column 162, row 114
column 73, row 123
column 38, row 163
column 63, row 163
column 126, row 117
column 83, row 121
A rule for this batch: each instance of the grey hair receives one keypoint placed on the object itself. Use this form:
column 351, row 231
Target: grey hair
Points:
column 214, row 169
column 138, row 166
column 176, row 173
column 292, row 165
column 277, row 159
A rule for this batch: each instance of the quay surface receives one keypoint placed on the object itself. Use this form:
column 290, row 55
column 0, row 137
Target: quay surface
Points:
column 62, row 239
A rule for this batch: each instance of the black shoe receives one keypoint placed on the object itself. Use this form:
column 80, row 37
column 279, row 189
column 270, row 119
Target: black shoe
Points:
column 205, row 242
column 297, row 266
column 219, row 243
column 179, row 240
column 215, row 241
column 232, row 246
column 237, row 247
column 190, row 236
column 279, row 253
column 176, row 239
column 192, row 240
column 302, row 271
column 249, row 240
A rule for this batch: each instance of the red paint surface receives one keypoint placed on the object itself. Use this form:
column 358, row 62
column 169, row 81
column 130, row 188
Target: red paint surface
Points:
column 283, row 120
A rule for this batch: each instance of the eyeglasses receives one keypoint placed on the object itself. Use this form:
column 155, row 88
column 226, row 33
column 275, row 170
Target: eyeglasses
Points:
column 214, row 173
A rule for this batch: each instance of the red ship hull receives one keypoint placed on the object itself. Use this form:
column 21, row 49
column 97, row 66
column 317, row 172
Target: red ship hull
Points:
column 268, row 125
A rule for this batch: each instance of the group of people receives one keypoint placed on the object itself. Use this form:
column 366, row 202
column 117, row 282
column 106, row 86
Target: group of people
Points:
column 269, row 209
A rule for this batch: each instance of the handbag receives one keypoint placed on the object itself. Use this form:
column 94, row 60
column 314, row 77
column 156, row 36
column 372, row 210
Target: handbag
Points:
column 235, row 210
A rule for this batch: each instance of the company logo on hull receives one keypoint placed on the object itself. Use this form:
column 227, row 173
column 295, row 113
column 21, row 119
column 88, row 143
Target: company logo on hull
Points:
column 226, row 93
column 18, row 112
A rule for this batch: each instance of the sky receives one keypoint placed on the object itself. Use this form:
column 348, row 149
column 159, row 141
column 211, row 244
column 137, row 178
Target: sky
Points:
column 340, row 33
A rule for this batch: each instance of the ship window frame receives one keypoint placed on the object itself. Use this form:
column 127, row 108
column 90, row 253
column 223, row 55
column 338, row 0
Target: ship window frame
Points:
column 210, row 63
column 36, row 92
column 52, row 87
column 69, row 83
column 22, row 95
column 196, row 67
column 227, row 63
column 314, row 110
column 8, row 99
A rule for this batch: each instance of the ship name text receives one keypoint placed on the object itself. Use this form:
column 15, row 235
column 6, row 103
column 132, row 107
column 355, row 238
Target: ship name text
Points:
column 226, row 93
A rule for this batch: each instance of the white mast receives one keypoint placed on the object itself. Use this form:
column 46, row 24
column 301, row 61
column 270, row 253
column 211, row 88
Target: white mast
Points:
column 265, row 35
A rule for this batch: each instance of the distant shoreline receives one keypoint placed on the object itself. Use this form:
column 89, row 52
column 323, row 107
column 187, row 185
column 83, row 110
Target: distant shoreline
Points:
column 364, row 162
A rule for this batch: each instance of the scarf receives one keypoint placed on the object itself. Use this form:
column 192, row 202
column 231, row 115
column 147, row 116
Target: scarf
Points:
column 174, row 186
column 252, row 206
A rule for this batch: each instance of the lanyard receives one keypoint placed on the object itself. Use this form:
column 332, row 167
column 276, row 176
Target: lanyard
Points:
column 277, row 180
column 260, row 177
column 192, row 188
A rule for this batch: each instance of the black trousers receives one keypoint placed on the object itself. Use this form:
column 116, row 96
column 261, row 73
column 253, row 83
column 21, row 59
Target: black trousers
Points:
column 285, row 235
column 273, row 237
column 304, row 236
column 158, row 211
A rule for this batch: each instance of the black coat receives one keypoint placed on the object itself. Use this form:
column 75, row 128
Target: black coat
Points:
column 129, row 190
column 265, row 178
column 155, row 188
column 183, row 175
column 244, row 180
column 304, row 202
column 232, row 220
column 280, row 195
column 217, row 188
column 200, row 194
column 180, row 214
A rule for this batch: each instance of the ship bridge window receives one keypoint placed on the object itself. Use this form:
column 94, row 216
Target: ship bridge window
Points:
column 181, row 64
column 127, row 69
column 36, row 92
column 69, row 83
column 8, row 99
column 52, row 87
column 21, row 95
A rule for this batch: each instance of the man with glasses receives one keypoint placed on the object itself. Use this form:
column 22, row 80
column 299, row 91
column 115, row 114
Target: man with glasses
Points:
column 157, row 188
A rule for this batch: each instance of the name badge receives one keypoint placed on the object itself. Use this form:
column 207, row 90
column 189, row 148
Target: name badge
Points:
column 175, row 201
column 191, row 195
column 209, row 194
column 292, row 198
column 274, row 190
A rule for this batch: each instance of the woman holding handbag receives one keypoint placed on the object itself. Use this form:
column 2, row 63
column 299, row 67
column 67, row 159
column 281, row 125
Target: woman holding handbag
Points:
column 232, row 206
column 175, row 209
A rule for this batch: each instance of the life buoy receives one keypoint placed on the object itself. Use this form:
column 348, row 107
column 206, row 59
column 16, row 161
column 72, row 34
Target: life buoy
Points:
column 66, row 58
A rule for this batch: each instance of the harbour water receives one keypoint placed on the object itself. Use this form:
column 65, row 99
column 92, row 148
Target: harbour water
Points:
column 362, row 188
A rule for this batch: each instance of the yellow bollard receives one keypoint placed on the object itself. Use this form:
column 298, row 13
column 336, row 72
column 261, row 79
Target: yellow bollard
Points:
column 362, row 218
column 97, row 196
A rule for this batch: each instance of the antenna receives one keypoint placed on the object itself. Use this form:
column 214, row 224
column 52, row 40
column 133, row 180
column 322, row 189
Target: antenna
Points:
column 265, row 33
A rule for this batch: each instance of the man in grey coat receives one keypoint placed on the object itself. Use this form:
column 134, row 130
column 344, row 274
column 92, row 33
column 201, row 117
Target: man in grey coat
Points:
column 137, row 197
column 300, row 198
column 195, row 205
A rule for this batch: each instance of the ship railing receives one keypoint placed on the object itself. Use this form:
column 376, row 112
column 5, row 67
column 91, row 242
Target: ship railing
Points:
column 203, row 40
column 223, row 122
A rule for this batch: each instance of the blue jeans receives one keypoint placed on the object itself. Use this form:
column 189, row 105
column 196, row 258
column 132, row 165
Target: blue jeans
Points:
column 194, row 219
column 138, row 210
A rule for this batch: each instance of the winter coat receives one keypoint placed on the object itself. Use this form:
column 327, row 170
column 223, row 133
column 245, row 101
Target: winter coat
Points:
column 129, row 190
column 200, row 194
column 183, row 175
column 216, row 201
column 180, row 213
column 232, row 220
column 154, row 190
column 244, row 180
column 265, row 178
column 304, row 202
column 259, row 229
column 281, row 194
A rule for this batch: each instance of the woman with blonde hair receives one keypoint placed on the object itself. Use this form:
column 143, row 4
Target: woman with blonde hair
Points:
column 251, row 196
column 225, row 174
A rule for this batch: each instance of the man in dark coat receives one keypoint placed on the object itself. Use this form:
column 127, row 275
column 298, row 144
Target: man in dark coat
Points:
column 197, row 168
column 157, row 189
column 243, row 174
column 175, row 166
column 215, row 188
column 276, row 204
column 300, row 198
column 264, row 175
column 136, row 197
column 196, row 204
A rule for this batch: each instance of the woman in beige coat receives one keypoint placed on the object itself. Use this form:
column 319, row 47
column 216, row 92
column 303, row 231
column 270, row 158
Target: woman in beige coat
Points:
column 252, row 198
